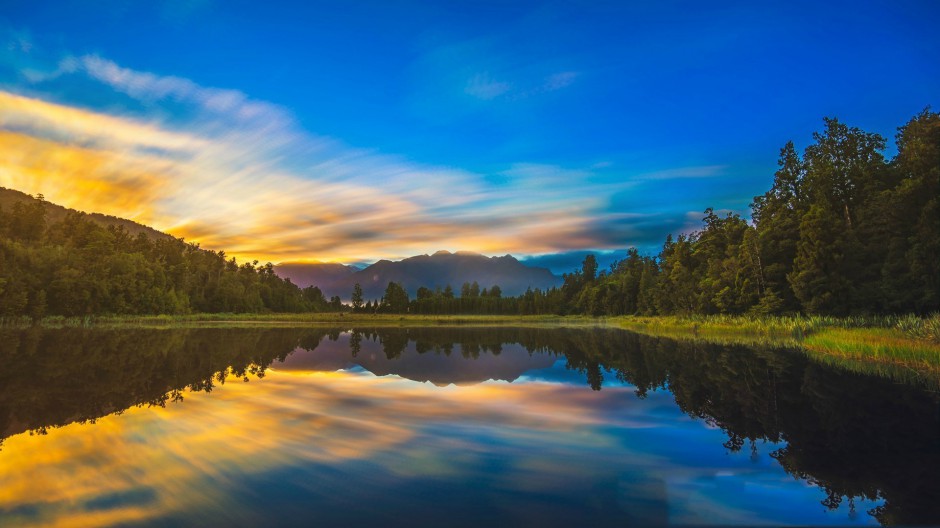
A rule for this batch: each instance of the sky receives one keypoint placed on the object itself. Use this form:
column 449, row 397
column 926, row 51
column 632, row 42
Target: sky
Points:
column 351, row 132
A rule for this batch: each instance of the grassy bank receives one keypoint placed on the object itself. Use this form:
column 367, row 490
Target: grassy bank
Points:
column 904, row 348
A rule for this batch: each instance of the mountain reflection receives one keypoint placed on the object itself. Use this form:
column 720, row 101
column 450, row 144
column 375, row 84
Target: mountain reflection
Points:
column 855, row 436
column 423, row 356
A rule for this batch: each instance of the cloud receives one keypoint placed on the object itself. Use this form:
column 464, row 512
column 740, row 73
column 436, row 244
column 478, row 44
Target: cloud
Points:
column 95, row 179
column 69, row 125
column 229, row 172
column 704, row 171
column 150, row 87
column 483, row 87
column 557, row 81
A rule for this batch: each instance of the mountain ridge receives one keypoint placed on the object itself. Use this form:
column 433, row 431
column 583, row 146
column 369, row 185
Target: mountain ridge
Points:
column 439, row 269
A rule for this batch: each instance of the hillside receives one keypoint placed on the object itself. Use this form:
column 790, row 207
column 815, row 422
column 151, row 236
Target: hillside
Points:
column 55, row 261
column 55, row 213
column 440, row 269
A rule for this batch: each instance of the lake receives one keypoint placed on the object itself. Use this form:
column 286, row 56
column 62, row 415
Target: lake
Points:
column 450, row 427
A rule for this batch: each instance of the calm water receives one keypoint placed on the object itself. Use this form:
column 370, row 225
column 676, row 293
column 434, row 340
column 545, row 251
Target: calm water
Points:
column 449, row 427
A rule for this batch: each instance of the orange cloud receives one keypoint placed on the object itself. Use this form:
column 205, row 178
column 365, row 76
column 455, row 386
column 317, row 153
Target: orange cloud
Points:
column 247, row 182
column 80, row 126
column 82, row 178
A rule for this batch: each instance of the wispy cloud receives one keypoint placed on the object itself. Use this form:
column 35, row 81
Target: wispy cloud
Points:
column 238, row 174
column 150, row 87
column 483, row 87
column 704, row 171
column 72, row 125
column 557, row 81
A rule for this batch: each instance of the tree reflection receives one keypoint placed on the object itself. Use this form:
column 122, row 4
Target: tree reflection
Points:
column 855, row 436
column 53, row 378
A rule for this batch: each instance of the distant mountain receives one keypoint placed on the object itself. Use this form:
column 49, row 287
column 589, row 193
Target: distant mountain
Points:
column 439, row 269
column 318, row 274
column 55, row 213
column 441, row 369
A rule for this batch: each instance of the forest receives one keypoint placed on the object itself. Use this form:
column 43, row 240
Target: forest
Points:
column 77, row 267
column 842, row 231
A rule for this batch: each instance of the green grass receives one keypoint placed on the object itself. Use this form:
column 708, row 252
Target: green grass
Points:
column 902, row 348
column 884, row 345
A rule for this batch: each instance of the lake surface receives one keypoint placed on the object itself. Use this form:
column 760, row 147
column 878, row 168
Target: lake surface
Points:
column 450, row 427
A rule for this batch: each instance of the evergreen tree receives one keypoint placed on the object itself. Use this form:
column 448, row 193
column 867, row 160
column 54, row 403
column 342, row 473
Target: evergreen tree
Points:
column 844, row 172
column 357, row 298
column 776, row 216
column 911, row 272
column 395, row 299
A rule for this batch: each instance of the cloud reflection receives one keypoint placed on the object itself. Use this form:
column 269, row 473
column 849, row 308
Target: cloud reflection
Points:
column 186, row 456
column 350, row 436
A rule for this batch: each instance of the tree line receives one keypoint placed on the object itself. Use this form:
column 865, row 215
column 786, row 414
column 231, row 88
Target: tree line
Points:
column 471, row 299
column 841, row 231
column 77, row 267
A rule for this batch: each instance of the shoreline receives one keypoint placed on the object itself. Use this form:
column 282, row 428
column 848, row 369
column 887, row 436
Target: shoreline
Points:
column 862, row 345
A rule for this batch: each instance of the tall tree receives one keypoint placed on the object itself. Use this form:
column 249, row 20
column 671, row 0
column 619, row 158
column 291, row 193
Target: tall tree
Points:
column 844, row 171
column 589, row 268
column 776, row 216
column 911, row 272
column 395, row 299
column 357, row 297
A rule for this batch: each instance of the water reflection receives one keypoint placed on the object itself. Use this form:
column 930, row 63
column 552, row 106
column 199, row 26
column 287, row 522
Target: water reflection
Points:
column 322, row 437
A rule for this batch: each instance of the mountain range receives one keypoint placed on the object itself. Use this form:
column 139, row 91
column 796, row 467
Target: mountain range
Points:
column 437, row 270
column 440, row 269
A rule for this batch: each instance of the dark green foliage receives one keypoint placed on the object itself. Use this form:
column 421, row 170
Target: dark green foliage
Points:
column 395, row 299
column 776, row 217
column 76, row 267
column 840, row 232
column 834, row 272
column 912, row 266
column 357, row 298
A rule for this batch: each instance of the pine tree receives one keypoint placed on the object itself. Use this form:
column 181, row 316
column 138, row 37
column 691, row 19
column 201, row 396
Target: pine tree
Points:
column 357, row 297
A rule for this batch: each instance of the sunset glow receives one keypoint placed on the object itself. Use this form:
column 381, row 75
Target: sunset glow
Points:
column 461, row 137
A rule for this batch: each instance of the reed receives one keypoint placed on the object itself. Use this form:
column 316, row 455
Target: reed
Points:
column 901, row 348
column 927, row 328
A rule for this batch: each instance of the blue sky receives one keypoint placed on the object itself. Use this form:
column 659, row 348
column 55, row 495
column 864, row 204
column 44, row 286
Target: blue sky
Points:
column 357, row 131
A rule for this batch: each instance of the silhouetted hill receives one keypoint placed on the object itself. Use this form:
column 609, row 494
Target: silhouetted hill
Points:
column 57, row 261
column 439, row 269
column 459, row 368
column 317, row 274
column 55, row 213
